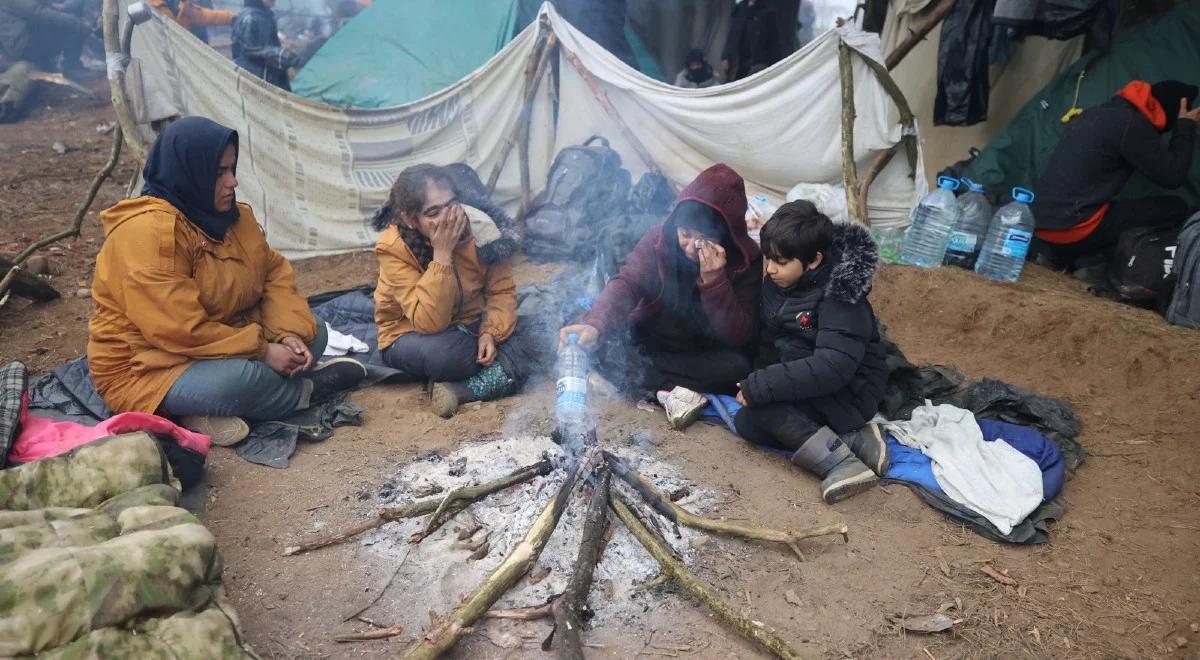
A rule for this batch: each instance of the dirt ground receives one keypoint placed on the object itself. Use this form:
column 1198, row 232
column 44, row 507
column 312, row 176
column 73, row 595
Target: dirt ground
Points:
column 1118, row 578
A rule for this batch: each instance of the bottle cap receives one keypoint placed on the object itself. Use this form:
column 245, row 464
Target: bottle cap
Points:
column 948, row 182
column 573, row 338
column 972, row 186
column 1022, row 195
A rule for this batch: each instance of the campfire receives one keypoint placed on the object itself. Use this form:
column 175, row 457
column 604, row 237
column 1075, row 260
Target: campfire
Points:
column 650, row 508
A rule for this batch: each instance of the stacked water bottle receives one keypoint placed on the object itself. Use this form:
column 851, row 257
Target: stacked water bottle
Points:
column 964, row 231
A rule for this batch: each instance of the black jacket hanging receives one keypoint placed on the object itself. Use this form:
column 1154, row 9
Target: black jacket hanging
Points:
column 963, row 85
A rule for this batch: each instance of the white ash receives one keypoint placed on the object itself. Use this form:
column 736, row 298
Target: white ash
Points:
column 436, row 575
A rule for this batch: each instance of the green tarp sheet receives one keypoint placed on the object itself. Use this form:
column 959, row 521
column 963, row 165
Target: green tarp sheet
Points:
column 398, row 51
column 1165, row 47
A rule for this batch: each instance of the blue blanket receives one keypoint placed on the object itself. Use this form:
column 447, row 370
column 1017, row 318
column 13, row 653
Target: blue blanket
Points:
column 910, row 465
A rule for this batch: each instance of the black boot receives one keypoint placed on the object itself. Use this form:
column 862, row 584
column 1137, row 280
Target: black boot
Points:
column 841, row 473
column 490, row 383
column 869, row 444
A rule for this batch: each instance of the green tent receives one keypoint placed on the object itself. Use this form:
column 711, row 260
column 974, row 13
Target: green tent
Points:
column 398, row 51
column 1165, row 47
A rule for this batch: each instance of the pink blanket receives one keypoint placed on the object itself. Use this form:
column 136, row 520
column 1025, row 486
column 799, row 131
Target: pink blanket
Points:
column 41, row 438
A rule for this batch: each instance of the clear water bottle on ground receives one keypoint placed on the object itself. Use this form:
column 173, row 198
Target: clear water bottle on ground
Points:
column 1008, row 239
column 933, row 220
column 570, row 402
column 974, row 215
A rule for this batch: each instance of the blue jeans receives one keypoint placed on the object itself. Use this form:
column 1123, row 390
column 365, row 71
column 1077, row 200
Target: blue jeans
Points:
column 241, row 388
column 449, row 355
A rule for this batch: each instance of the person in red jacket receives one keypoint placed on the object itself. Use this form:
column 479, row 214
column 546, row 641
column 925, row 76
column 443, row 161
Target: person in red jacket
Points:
column 680, row 317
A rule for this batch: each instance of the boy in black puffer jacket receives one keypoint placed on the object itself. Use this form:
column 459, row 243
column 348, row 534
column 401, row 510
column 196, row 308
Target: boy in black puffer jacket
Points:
column 821, row 372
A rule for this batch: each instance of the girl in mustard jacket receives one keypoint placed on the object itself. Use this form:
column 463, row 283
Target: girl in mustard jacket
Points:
column 444, row 314
column 195, row 316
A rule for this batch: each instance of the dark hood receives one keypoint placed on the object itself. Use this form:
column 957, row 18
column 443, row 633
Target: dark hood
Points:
column 723, row 190
column 853, row 261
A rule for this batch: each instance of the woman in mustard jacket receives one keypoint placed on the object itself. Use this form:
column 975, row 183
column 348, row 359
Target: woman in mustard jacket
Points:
column 195, row 316
column 444, row 313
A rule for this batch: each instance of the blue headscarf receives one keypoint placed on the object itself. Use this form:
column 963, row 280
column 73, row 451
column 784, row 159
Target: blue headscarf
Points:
column 182, row 170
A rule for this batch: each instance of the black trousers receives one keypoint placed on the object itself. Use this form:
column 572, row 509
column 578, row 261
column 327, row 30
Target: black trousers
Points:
column 450, row 355
column 1157, row 212
column 639, row 365
column 788, row 425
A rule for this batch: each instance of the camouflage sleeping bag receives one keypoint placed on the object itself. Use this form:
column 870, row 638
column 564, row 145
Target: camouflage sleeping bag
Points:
column 97, row 561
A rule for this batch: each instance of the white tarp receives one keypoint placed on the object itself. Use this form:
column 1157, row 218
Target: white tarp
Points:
column 314, row 173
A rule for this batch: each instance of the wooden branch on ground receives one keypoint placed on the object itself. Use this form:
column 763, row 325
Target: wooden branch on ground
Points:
column 908, row 121
column 855, row 205
column 677, row 514
column 533, row 77
column 573, row 601
column 369, row 635
column 916, row 35
column 429, row 505
column 543, row 611
column 28, row 285
column 606, row 104
column 519, row 560
column 658, row 548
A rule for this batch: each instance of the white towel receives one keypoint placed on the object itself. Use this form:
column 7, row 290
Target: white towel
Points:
column 341, row 344
column 990, row 478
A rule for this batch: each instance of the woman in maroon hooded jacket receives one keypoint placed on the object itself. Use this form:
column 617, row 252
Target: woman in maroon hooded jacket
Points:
column 680, row 318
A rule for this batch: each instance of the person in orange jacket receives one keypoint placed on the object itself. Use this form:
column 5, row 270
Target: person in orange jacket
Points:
column 444, row 313
column 195, row 316
column 191, row 15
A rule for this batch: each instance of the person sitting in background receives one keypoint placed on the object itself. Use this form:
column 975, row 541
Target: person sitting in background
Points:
column 443, row 312
column 821, row 374
column 1076, row 209
column 195, row 316
column 255, row 44
column 697, row 72
column 190, row 14
column 678, row 318
column 39, row 32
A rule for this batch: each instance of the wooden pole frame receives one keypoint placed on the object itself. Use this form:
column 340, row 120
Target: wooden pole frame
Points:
column 855, row 205
column 116, row 51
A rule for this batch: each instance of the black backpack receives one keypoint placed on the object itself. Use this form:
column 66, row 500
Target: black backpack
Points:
column 1140, row 269
column 1184, row 308
column 586, row 185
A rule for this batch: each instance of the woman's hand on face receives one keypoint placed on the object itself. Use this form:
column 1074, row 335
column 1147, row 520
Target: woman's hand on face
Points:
column 587, row 335
column 448, row 233
column 299, row 348
column 741, row 398
column 459, row 215
column 712, row 261
column 487, row 350
column 283, row 360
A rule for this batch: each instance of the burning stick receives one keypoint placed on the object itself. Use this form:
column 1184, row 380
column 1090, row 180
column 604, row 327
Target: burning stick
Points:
column 463, row 497
column 566, row 608
column 681, row 516
column 519, row 560
column 671, row 565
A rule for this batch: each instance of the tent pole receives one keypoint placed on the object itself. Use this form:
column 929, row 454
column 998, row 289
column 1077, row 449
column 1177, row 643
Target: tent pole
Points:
column 533, row 76
column 116, row 51
column 855, row 203
column 908, row 121
column 605, row 103
column 918, row 34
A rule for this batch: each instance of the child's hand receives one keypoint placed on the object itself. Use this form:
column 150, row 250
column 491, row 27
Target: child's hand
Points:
column 741, row 399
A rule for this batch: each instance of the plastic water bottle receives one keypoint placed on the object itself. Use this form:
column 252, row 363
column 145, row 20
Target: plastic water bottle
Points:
column 933, row 220
column 570, row 402
column 1008, row 239
column 975, row 213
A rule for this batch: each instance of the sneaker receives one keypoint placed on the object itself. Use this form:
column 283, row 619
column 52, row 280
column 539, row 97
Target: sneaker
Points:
column 224, row 431
column 331, row 376
column 683, row 406
column 869, row 444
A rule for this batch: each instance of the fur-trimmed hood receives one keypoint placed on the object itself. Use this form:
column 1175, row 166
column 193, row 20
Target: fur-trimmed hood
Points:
column 853, row 260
